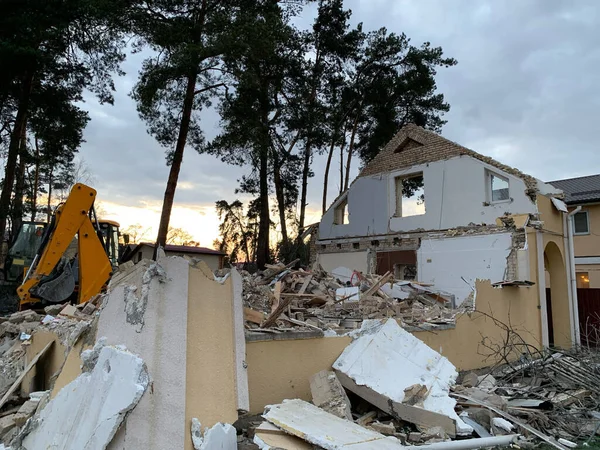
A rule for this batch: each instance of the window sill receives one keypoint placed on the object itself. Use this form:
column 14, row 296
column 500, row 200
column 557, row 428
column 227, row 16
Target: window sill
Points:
column 581, row 234
column 499, row 202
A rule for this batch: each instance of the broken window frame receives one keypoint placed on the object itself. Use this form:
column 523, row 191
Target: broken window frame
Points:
column 399, row 186
column 587, row 223
column 490, row 187
column 340, row 212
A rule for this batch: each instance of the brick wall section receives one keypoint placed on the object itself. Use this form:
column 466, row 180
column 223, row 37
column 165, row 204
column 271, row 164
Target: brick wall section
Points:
column 425, row 146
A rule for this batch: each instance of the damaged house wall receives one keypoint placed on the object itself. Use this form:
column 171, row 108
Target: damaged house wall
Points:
column 188, row 328
column 457, row 262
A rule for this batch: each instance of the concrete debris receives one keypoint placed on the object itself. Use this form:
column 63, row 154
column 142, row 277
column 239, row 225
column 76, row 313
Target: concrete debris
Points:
column 329, row 395
column 53, row 310
column 390, row 360
column 330, row 432
column 470, row 379
column 219, row 437
column 503, row 424
column 552, row 395
column 24, row 316
column 387, row 429
column 88, row 411
column 318, row 300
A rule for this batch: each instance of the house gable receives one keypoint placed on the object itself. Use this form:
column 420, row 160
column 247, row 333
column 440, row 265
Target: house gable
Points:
column 414, row 145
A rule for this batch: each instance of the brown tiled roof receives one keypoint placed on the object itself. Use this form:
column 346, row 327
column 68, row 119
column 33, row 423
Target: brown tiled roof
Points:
column 414, row 145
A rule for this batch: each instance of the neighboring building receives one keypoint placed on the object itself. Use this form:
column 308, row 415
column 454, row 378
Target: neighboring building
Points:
column 430, row 210
column 145, row 250
column 584, row 192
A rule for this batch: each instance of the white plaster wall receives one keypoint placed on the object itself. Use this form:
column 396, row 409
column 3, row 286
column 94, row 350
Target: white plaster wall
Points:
column 352, row 260
column 455, row 193
column 158, row 422
column 367, row 210
column 444, row 262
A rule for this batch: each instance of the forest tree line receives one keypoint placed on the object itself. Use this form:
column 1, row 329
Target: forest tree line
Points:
column 284, row 93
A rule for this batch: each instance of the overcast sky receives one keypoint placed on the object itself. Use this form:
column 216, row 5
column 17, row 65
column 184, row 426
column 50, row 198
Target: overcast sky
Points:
column 524, row 91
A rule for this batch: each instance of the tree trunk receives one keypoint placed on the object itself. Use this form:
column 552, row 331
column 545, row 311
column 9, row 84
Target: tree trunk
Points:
column 305, row 172
column 165, row 217
column 264, row 225
column 350, row 150
column 280, row 195
column 17, row 218
column 326, row 177
column 50, row 182
column 36, row 181
column 13, row 152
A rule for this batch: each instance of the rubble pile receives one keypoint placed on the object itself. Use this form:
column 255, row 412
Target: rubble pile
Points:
column 558, row 395
column 388, row 390
column 16, row 331
column 281, row 299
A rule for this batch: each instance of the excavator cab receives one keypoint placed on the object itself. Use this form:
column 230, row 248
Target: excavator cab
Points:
column 110, row 234
column 25, row 247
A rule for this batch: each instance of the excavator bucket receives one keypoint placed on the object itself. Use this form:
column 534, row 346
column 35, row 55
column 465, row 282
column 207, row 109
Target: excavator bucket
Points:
column 59, row 288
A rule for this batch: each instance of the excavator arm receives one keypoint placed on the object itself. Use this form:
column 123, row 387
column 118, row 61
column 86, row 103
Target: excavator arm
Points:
column 71, row 219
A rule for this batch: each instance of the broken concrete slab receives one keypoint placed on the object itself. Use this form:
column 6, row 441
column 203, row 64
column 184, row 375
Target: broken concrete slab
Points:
column 219, row 437
column 53, row 310
column 470, row 380
column 88, row 411
column 318, row 427
column 269, row 437
column 26, row 410
column 329, row 395
column 24, row 316
column 387, row 359
column 6, row 424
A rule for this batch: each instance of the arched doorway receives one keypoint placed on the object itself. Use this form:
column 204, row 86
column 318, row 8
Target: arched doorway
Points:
column 559, row 313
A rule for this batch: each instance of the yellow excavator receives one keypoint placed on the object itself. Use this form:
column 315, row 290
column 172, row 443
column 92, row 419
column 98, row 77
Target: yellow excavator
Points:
column 76, row 256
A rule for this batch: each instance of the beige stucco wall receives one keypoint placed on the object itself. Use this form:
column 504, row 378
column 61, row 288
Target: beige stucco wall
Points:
column 281, row 369
column 353, row 260
column 41, row 376
column 556, row 262
column 210, row 363
column 589, row 244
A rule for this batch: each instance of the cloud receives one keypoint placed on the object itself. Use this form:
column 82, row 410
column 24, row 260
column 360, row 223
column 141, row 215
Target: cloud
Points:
column 524, row 92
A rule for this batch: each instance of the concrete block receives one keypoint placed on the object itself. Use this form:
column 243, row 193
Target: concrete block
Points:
column 329, row 395
column 387, row 429
column 53, row 310
column 26, row 410
column 88, row 411
column 470, row 379
column 6, row 424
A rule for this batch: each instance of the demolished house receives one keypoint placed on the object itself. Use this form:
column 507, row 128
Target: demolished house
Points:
column 170, row 357
column 424, row 321
column 429, row 210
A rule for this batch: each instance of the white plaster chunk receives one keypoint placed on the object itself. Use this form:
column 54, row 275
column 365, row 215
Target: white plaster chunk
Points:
column 306, row 421
column 388, row 359
column 219, row 437
column 86, row 414
column 503, row 424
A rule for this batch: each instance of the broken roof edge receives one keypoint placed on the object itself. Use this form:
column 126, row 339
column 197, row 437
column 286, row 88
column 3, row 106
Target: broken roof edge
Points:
column 427, row 137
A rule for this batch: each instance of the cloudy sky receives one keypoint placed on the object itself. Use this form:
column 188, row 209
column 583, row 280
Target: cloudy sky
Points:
column 524, row 92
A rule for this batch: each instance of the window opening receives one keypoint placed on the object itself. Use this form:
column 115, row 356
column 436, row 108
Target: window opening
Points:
column 498, row 188
column 410, row 195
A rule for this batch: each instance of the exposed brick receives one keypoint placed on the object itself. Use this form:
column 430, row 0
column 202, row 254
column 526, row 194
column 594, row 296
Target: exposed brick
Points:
column 413, row 146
